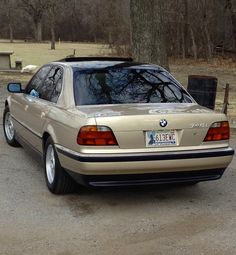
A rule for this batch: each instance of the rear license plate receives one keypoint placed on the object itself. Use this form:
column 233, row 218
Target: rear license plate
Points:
column 160, row 138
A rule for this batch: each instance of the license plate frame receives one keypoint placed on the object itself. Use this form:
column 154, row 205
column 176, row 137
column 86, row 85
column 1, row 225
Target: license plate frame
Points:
column 161, row 138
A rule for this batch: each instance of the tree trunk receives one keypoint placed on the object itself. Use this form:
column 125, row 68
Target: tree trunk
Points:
column 74, row 21
column 232, row 11
column 206, row 31
column 10, row 18
column 148, row 36
column 178, row 40
column 194, row 46
column 208, row 40
column 183, row 42
column 233, row 17
column 53, row 43
column 10, row 32
column 186, row 21
column 38, row 30
column 110, row 41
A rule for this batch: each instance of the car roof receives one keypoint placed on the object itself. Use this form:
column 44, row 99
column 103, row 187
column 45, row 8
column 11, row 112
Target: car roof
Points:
column 101, row 63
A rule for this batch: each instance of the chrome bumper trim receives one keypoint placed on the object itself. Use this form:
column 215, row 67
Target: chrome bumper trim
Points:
column 129, row 157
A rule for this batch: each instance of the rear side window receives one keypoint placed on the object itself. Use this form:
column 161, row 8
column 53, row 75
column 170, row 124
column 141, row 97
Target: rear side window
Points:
column 51, row 87
column 127, row 85
column 37, row 79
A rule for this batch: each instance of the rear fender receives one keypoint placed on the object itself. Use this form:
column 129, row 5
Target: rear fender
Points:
column 50, row 130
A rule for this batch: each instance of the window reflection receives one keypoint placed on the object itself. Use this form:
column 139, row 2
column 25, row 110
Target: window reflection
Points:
column 50, row 90
column 127, row 85
column 37, row 79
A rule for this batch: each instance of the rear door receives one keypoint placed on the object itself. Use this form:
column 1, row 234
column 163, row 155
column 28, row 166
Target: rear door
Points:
column 40, row 95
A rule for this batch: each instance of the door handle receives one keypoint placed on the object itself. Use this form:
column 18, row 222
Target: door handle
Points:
column 26, row 108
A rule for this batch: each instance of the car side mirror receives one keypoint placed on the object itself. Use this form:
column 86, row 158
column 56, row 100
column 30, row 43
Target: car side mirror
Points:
column 15, row 88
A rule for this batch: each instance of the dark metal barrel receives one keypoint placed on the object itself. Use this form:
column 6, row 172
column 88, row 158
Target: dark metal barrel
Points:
column 203, row 89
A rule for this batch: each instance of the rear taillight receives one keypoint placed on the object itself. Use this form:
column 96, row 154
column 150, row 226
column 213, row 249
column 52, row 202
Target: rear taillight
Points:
column 96, row 136
column 218, row 131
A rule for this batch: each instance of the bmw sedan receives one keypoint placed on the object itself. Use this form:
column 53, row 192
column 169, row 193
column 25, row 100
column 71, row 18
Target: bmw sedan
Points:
column 114, row 122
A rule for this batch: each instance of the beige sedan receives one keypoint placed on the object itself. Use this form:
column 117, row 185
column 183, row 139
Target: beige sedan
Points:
column 114, row 122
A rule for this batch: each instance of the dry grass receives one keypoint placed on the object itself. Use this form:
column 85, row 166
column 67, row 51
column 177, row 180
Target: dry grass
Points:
column 39, row 54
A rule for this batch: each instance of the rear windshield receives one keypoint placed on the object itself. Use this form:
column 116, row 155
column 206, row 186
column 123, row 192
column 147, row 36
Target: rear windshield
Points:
column 126, row 86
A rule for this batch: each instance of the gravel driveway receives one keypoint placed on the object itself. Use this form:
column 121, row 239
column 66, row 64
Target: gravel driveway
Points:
column 166, row 220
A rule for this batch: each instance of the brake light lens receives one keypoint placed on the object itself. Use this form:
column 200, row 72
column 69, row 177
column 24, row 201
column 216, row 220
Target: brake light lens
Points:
column 96, row 136
column 218, row 131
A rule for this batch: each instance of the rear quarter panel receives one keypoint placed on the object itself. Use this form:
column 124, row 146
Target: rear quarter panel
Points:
column 63, row 126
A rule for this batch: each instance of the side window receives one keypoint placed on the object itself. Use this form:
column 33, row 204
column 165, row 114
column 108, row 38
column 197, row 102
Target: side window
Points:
column 37, row 79
column 51, row 88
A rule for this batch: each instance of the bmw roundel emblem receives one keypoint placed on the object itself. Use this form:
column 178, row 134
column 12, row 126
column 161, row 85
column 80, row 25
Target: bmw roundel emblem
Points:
column 163, row 123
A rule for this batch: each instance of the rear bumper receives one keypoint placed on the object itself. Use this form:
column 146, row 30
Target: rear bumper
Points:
column 147, row 179
column 128, row 157
column 144, row 163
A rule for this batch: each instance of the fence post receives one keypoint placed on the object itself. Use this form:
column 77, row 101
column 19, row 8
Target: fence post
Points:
column 226, row 99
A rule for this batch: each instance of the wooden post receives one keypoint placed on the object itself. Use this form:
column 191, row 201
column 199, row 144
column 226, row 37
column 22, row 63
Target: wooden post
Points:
column 226, row 99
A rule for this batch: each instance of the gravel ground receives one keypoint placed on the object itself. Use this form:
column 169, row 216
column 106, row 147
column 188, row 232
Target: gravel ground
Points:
column 166, row 220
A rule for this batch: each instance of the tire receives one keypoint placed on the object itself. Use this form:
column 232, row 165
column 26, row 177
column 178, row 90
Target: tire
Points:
column 57, row 179
column 8, row 128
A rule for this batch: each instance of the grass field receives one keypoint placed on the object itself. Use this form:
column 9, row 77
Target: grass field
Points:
column 39, row 54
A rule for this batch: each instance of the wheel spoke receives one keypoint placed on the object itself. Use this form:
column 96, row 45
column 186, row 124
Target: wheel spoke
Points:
column 50, row 164
column 8, row 126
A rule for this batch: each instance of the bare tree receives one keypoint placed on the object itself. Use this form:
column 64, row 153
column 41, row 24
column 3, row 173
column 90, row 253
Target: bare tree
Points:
column 205, row 26
column 52, row 14
column 231, row 7
column 36, row 9
column 193, row 28
column 194, row 45
column 186, row 29
column 148, row 36
column 8, row 12
column 54, row 8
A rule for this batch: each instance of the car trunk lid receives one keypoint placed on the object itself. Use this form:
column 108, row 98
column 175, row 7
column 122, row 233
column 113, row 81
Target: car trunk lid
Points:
column 132, row 124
